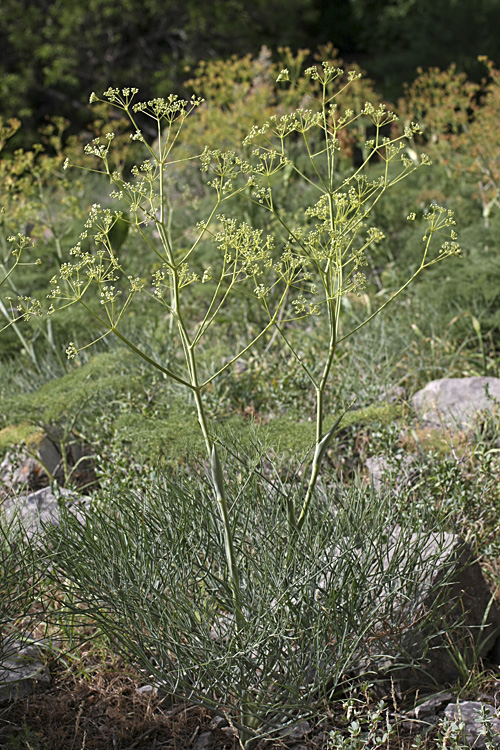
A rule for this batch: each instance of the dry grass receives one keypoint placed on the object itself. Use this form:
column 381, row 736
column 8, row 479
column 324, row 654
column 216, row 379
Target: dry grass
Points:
column 102, row 710
column 94, row 704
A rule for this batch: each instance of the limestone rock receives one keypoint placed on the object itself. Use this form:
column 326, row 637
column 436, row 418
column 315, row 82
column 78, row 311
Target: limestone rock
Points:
column 41, row 507
column 469, row 616
column 469, row 712
column 448, row 611
column 380, row 468
column 78, row 458
column 429, row 709
column 20, row 669
column 20, row 470
column 455, row 402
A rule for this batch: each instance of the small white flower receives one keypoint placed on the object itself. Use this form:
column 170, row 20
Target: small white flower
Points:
column 71, row 351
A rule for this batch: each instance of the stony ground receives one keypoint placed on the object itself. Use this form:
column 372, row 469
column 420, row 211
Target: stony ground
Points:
column 105, row 710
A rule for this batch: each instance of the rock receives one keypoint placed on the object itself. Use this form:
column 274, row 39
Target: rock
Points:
column 475, row 732
column 204, row 741
column 20, row 669
column 297, row 731
column 471, row 619
column 41, row 507
column 20, row 470
column 50, row 455
column 430, row 708
column 78, row 458
column 380, row 468
column 447, row 613
column 377, row 468
column 433, row 611
column 455, row 402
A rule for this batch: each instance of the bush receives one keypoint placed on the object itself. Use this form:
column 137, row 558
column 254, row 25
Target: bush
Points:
column 336, row 601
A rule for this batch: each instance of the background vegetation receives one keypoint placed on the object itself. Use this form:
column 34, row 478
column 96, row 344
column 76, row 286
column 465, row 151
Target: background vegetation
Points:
column 51, row 51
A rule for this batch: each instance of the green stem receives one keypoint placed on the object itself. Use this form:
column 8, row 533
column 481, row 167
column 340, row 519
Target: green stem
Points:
column 322, row 441
column 217, row 476
column 27, row 345
column 332, row 281
column 139, row 352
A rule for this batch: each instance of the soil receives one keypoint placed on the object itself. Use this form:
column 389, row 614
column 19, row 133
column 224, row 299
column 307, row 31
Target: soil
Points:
column 102, row 710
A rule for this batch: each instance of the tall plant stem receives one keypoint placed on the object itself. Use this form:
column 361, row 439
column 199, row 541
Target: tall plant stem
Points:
column 188, row 346
column 332, row 278
column 217, row 476
column 322, row 441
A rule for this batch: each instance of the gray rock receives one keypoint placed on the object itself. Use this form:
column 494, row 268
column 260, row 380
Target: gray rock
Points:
column 469, row 618
column 455, row 402
column 204, row 741
column 297, row 731
column 20, row 670
column 430, row 605
column 41, row 507
column 78, row 456
column 377, row 468
column 430, row 707
column 380, row 468
column 20, row 470
column 449, row 594
column 475, row 732
column 50, row 455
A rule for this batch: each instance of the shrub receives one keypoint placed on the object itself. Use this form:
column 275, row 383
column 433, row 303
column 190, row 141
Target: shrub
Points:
column 149, row 568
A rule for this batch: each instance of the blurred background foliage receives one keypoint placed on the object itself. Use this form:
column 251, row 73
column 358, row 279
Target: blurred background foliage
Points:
column 53, row 51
